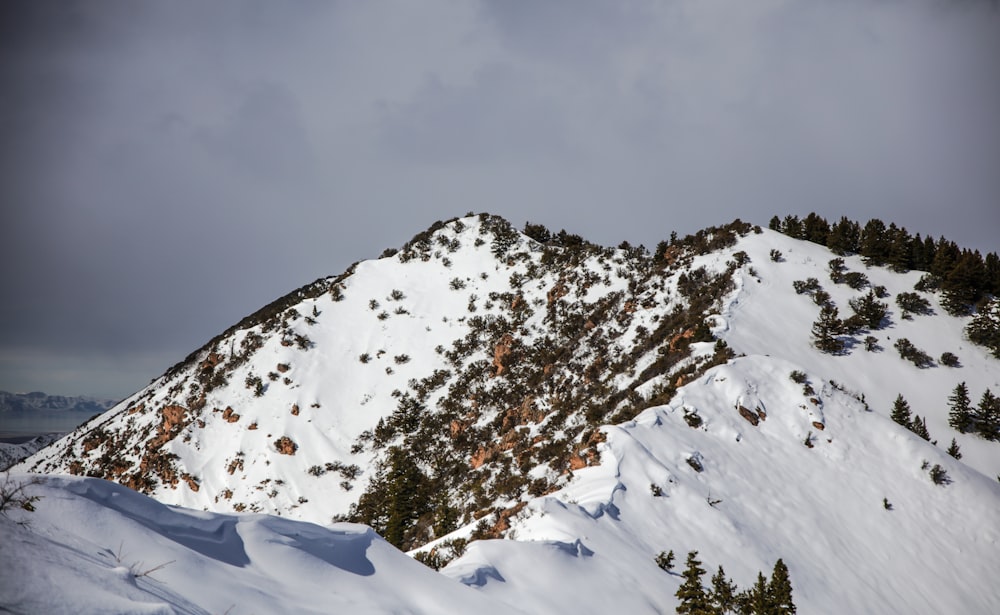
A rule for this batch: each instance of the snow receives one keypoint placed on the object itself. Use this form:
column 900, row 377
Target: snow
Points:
column 87, row 545
column 591, row 547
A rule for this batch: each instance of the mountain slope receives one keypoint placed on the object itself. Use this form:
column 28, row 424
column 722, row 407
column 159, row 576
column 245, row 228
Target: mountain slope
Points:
column 761, row 494
column 483, row 383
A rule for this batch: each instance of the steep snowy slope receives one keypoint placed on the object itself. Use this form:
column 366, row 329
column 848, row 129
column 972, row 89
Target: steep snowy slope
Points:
column 761, row 494
column 764, row 315
column 95, row 547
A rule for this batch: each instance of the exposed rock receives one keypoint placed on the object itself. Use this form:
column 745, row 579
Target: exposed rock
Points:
column 501, row 353
column 285, row 445
column 749, row 416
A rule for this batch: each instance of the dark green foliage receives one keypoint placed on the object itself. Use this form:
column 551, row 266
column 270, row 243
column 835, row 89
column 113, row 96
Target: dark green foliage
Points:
column 949, row 359
column 984, row 329
column 776, row 255
column 869, row 308
column 809, row 285
column 960, row 413
column 844, row 237
column 987, row 418
column 901, row 412
column 798, row 377
column 538, row 232
column 837, row 269
column 826, row 329
column 919, row 427
column 871, row 343
column 875, row 243
column 665, row 560
column 398, row 495
column 913, row 354
column 694, row 599
column 756, row 600
column 724, row 592
column 963, row 286
column 886, row 504
column 938, row 475
column 912, row 303
column 780, row 591
column 856, row 279
column 954, row 450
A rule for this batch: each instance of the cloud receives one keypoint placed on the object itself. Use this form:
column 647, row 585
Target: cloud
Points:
column 168, row 168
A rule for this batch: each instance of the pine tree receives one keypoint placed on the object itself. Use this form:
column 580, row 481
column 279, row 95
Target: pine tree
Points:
column 694, row 599
column 870, row 309
column 723, row 592
column 960, row 411
column 665, row 560
column 826, row 329
column 900, row 256
column 756, row 600
column 843, row 237
column 984, row 329
column 919, row 427
column 989, row 416
column 963, row 285
column 874, row 243
column 901, row 412
column 953, row 450
column 780, row 591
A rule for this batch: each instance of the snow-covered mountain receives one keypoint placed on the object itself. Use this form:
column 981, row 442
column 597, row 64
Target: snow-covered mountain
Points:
column 11, row 453
column 36, row 413
column 592, row 406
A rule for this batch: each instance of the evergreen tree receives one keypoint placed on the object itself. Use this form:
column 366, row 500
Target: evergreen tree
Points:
column 792, row 227
column 826, row 329
column 843, row 237
column 780, row 591
column 989, row 416
column 992, row 274
column 963, row 285
column 723, row 592
column 953, row 450
column 960, row 414
column 900, row 257
column 694, row 599
column 874, row 243
column 984, row 329
column 756, row 600
column 815, row 229
column 870, row 309
column 946, row 254
column 901, row 412
column 774, row 224
column 919, row 427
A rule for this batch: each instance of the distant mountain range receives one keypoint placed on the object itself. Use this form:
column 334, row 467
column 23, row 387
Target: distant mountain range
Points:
column 543, row 419
column 37, row 401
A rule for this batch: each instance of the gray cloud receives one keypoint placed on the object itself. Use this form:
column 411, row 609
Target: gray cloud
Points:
column 168, row 168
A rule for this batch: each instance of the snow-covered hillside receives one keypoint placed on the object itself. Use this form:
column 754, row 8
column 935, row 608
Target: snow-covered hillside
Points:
column 594, row 407
column 97, row 547
column 11, row 453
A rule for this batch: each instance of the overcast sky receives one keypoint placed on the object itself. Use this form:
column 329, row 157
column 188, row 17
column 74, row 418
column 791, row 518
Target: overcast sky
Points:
column 167, row 168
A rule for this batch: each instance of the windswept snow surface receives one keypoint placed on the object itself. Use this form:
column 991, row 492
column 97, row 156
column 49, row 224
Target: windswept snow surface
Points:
column 762, row 495
column 88, row 540
column 764, row 316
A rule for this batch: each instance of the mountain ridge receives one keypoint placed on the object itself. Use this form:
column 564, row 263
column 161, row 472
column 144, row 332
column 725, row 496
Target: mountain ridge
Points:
column 485, row 383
